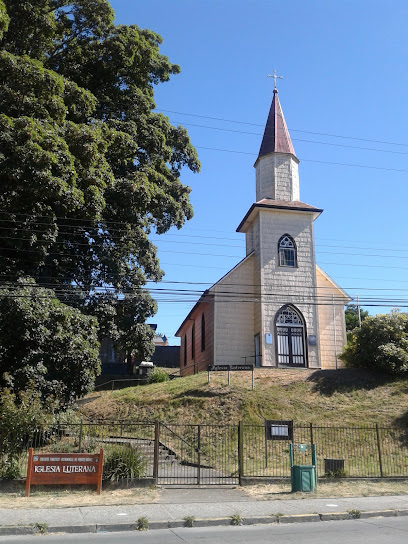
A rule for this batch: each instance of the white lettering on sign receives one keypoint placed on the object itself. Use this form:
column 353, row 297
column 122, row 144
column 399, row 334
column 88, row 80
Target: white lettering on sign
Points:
column 75, row 468
column 51, row 468
column 66, row 469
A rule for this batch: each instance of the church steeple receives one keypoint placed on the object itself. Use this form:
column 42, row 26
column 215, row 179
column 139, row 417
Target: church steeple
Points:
column 276, row 138
column 277, row 174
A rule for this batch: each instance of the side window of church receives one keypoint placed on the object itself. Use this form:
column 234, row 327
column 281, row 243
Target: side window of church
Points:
column 193, row 342
column 185, row 350
column 287, row 251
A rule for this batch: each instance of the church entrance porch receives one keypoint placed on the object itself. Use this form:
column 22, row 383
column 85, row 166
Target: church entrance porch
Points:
column 290, row 335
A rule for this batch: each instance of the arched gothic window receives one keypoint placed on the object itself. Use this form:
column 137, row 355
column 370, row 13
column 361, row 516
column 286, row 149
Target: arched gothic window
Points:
column 202, row 333
column 287, row 251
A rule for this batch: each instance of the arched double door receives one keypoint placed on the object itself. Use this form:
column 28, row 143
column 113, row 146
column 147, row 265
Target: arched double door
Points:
column 290, row 337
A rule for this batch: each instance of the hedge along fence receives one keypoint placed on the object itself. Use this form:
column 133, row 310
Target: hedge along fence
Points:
column 138, row 449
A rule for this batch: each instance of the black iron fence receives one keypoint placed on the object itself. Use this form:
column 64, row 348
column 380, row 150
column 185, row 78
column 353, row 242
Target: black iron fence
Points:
column 217, row 454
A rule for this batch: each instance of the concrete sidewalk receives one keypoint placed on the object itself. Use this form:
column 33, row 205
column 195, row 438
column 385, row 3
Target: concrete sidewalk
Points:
column 207, row 506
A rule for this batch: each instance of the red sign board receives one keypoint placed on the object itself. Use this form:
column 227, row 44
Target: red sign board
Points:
column 64, row 468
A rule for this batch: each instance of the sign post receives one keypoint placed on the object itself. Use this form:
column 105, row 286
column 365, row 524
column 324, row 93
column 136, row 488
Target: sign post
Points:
column 64, row 468
column 232, row 368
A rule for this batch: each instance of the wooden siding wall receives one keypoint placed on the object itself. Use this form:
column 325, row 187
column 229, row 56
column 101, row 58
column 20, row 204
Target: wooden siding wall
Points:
column 204, row 358
column 331, row 342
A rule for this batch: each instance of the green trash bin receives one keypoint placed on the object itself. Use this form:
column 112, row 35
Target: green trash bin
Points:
column 303, row 478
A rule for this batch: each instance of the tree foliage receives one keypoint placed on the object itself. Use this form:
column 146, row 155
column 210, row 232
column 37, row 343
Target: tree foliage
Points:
column 351, row 315
column 46, row 344
column 21, row 416
column 380, row 344
column 87, row 169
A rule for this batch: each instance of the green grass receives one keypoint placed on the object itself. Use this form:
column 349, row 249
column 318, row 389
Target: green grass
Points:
column 346, row 397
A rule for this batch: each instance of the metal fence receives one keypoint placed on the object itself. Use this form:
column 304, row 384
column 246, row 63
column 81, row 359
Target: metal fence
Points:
column 225, row 454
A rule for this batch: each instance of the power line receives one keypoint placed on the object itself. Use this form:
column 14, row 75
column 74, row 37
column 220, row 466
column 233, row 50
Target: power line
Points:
column 307, row 160
column 267, row 136
column 291, row 129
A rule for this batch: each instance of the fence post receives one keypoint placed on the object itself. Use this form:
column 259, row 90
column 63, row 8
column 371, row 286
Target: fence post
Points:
column 311, row 433
column 156, row 452
column 240, row 452
column 80, row 437
column 198, row 454
column 266, row 446
column 379, row 449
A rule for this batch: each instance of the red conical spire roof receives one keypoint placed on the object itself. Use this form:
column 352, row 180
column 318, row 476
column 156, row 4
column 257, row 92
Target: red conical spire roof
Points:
column 276, row 138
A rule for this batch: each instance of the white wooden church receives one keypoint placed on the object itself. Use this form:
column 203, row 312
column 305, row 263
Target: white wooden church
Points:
column 275, row 308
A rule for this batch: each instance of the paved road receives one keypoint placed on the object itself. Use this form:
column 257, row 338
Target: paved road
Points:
column 373, row 531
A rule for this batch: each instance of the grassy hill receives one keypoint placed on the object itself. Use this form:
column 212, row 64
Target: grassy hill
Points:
column 342, row 397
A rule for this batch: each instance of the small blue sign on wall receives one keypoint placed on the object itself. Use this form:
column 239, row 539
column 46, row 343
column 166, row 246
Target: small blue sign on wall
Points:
column 268, row 338
column 312, row 340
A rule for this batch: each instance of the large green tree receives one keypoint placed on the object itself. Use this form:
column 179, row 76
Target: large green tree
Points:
column 45, row 344
column 88, row 169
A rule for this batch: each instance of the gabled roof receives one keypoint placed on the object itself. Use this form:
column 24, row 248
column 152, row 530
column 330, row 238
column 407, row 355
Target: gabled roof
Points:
column 242, row 261
column 333, row 283
column 201, row 300
column 276, row 138
column 207, row 293
column 293, row 205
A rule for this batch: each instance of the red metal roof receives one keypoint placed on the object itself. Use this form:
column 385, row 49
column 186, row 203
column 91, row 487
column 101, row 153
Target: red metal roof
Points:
column 276, row 138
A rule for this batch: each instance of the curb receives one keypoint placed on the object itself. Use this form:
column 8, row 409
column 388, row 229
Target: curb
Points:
column 18, row 530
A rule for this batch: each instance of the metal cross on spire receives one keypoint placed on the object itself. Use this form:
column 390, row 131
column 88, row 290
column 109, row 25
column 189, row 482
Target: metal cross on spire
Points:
column 275, row 77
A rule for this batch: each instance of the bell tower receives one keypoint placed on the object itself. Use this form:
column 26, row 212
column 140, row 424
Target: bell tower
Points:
column 277, row 173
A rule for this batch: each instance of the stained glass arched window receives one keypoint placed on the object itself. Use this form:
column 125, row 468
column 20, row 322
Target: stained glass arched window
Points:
column 287, row 251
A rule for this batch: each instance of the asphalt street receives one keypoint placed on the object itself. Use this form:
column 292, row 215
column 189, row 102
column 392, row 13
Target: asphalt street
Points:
column 372, row 531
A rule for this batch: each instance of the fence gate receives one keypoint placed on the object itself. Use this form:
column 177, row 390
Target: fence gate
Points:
column 197, row 454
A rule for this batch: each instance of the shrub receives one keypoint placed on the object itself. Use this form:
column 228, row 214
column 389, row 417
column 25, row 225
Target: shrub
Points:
column 123, row 462
column 158, row 376
column 380, row 344
column 23, row 419
column 142, row 524
column 10, row 469
column 236, row 519
column 189, row 521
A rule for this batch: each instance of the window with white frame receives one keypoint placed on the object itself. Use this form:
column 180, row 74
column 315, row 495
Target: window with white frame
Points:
column 287, row 251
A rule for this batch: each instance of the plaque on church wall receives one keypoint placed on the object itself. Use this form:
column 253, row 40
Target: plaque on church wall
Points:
column 269, row 338
column 312, row 340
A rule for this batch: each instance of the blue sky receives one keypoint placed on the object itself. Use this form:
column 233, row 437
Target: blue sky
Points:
column 344, row 89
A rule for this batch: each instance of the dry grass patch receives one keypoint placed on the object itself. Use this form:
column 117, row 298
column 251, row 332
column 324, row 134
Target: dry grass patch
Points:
column 354, row 397
column 330, row 489
column 71, row 499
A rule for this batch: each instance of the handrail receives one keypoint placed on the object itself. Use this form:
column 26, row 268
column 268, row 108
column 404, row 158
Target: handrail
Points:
column 119, row 380
column 178, row 436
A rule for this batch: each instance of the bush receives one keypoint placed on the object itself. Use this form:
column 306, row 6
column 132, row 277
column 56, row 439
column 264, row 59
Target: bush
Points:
column 10, row 469
column 158, row 376
column 380, row 344
column 123, row 462
column 22, row 419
